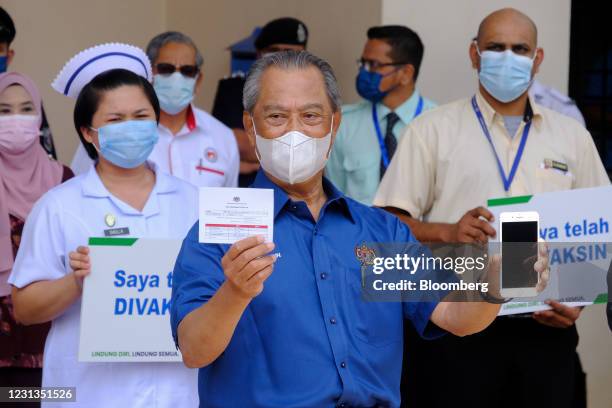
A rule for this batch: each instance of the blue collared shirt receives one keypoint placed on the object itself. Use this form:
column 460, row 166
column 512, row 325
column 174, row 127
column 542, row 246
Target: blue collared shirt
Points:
column 308, row 340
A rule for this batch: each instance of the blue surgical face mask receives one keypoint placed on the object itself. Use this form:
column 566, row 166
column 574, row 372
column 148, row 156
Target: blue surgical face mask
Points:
column 127, row 144
column 505, row 75
column 368, row 85
column 174, row 91
column 3, row 63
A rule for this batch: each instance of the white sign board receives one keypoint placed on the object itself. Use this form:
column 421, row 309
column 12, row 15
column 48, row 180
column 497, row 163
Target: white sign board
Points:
column 125, row 309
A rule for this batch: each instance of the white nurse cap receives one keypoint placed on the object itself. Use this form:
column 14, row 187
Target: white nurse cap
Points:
column 87, row 64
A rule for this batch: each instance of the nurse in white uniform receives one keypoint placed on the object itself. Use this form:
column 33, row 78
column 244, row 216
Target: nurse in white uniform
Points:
column 116, row 114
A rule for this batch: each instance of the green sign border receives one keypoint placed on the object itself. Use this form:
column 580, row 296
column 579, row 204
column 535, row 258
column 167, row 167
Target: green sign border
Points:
column 102, row 241
column 601, row 298
column 494, row 202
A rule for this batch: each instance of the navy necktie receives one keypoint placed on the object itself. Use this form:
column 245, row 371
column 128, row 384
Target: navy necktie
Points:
column 390, row 140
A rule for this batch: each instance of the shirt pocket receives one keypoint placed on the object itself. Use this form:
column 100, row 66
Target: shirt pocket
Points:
column 362, row 174
column 548, row 180
column 378, row 324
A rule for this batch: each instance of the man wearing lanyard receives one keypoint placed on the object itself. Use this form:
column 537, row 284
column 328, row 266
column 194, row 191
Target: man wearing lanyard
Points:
column 496, row 143
column 370, row 130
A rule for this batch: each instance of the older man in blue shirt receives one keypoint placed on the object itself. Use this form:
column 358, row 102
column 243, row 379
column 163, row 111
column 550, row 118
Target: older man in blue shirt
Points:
column 306, row 339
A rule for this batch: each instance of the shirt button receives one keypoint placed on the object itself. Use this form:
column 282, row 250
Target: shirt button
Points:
column 343, row 364
column 323, row 276
column 333, row 321
column 316, row 231
column 342, row 405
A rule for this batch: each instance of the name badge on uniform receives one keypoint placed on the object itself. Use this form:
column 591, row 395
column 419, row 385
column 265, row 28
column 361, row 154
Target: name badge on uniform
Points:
column 113, row 232
column 553, row 164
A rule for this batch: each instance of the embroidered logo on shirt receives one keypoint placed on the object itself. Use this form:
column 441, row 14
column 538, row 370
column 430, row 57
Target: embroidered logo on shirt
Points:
column 365, row 256
column 211, row 154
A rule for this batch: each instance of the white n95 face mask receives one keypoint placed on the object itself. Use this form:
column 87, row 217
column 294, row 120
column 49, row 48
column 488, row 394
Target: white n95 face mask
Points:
column 293, row 157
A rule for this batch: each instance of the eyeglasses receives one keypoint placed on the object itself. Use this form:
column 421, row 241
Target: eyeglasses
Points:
column 190, row 71
column 372, row 65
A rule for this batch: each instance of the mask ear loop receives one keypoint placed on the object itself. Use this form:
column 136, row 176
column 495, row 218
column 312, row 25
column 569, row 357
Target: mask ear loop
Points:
column 255, row 131
column 331, row 134
column 535, row 54
column 477, row 48
column 478, row 52
column 92, row 143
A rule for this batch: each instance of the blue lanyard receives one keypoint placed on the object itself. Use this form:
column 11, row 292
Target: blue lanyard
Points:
column 381, row 139
column 507, row 181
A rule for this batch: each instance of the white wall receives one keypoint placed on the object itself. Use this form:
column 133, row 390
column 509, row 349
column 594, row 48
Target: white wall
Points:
column 51, row 32
column 447, row 28
column 337, row 32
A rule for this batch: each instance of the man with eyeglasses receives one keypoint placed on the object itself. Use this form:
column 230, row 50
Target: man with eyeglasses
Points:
column 193, row 145
column 370, row 130
column 495, row 143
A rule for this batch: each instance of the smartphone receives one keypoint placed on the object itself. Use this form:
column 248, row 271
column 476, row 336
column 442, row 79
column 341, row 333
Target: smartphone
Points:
column 519, row 252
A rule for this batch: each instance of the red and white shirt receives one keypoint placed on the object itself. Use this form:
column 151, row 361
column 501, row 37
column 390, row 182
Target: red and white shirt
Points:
column 204, row 152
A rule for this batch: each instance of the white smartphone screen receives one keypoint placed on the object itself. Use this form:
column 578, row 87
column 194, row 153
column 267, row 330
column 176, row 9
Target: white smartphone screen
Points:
column 518, row 259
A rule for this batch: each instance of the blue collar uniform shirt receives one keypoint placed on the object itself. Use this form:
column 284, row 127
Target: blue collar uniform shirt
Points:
column 354, row 163
column 308, row 340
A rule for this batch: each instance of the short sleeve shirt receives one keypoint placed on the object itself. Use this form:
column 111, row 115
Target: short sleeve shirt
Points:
column 445, row 166
column 63, row 219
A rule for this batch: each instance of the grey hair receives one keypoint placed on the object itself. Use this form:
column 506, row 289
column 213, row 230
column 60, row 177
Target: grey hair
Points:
column 171, row 37
column 289, row 60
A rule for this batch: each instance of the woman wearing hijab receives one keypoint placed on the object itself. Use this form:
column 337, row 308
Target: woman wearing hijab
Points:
column 26, row 173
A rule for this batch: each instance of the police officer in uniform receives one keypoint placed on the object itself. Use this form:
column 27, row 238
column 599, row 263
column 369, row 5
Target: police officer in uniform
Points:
column 278, row 35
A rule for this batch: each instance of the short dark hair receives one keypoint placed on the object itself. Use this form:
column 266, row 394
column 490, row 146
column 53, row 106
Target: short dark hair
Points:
column 406, row 46
column 7, row 27
column 89, row 99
